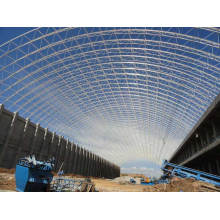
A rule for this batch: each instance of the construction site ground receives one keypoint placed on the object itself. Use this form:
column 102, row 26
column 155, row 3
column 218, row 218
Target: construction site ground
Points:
column 121, row 184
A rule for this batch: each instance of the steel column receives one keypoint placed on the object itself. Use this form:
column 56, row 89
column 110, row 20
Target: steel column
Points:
column 35, row 138
column 20, row 144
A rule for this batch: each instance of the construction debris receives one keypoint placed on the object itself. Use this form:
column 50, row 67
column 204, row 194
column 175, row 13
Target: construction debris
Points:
column 64, row 184
column 172, row 170
column 122, row 184
column 127, row 180
column 123, row 179
column 183, row 185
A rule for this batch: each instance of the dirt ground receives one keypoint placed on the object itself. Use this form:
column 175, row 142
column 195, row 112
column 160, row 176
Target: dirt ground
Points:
column 105, row 185
column 7, row 179
column 176, row 185
column 7, row 183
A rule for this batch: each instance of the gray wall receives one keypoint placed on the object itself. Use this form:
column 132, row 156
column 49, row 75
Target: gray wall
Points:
column 20, row 137
column 200, row 149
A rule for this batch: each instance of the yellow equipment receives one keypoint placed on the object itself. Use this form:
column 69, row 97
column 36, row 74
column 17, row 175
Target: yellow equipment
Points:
column 147, row 180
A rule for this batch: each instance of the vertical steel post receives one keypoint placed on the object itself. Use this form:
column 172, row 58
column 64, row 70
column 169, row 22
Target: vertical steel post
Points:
column 82, row 162
column 51, row 145
column 78, row 162
column 1, row 110
column 65, row 160
column 21, row 142
column 75, row 159
column 86, row 163
column 70, row 167
column 57, row 157
column 35, row 138
column 89, row 164
column 42, row 148
column 213, row 129
column 218, row 167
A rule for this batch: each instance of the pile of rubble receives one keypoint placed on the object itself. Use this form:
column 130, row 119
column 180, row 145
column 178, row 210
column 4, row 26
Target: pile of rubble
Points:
column 7, row 182
column 127, row 180
column 183, row 185
column 64, row 184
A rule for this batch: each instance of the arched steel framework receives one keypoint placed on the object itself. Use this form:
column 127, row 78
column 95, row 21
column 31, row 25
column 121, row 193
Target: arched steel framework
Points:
column 125, row 93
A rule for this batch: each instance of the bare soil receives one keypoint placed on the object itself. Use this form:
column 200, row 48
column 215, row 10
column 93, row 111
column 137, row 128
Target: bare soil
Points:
column 7, row 182
column 176, row 185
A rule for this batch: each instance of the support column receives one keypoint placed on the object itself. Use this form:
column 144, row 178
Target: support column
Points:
column 35, row 138
column 20, row 145
column 111, row 170
column 82, row 162
column 210, row 167
column 10, row 132
column 78, row 163
column 197, row 145
column 63, row 152
column 57, row 147
column 93, row 165
column 213, row 129
column 89, row 164
column 192, row 146
column 58, row 154
column 99, row 166
column 202, row 139
column 50, row 146
column 217, row 167
column 201, row 142
column 114, row 171
column 103, row 168
column 75, row 160
column 66, row 154
column 1, row 110
column 102, row 174
column 207, row 137
column 106, row 169
column 96, row 165
column 86, row 163
column 44, row 143
column 71, row 159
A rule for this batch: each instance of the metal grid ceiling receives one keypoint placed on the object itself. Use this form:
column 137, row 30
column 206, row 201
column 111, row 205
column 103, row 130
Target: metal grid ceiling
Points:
column 125, row 93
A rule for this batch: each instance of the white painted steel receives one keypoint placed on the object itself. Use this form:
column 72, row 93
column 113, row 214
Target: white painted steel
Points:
column 124, row 93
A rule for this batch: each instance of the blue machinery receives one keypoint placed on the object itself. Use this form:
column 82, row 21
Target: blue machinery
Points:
column 32, row 175
column 36, row 176
column 148, row 184
column 171, row 169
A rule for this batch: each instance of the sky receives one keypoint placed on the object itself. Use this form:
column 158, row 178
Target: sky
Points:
column 130, row 95
column 8, row 33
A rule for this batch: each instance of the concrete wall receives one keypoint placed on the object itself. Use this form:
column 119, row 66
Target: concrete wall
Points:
column 201, row 148
column 20, row 137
